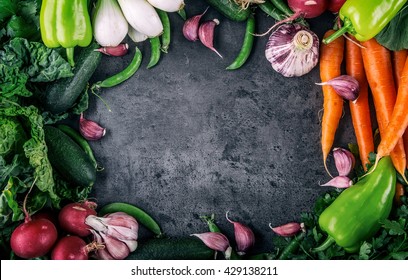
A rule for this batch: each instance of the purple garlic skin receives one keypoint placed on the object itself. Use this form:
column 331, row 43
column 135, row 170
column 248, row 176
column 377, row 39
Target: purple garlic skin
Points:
column 292, row 50
column 346, row 86
column 90, row 130
column 244, row 237
column 206, row 34
column 287, row 230
column 191, row 25
column 340, row 182
column 344, row 161
column 215, row 241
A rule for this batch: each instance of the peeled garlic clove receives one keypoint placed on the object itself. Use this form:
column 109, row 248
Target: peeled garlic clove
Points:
column 292, row 50
column 215, row 241
column 346, row 86
column 288, row 229
column 90, row 130
column 244, row 237
column 109, row 24
column 344, row 161
column 206, row 34
column 341, row 182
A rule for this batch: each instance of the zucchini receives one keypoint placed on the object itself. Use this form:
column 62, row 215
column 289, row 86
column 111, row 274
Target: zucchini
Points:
column 184, row 248
column 61, row 95
column 230, row 9
column 68, row 158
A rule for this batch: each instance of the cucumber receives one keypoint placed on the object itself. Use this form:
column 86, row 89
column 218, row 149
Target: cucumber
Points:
column 68, row 158
column 230, row 9
column 184, row 248
column 61, row 95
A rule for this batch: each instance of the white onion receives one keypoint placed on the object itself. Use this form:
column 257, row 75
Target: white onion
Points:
column 109, row 25
column 142, row 16
column 167, row 5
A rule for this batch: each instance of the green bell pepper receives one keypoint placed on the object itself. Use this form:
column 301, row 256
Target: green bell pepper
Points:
column 65, row 23
column 357, row 213
column 365, row 19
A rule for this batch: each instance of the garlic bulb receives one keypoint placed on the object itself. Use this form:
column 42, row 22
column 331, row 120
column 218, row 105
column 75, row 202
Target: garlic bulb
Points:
column 109, row 24
column 293, row 50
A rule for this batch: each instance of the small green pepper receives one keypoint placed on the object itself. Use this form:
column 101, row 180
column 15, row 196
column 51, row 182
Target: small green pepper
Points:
column 365, row 19
column 65, row 23
column 357, row 213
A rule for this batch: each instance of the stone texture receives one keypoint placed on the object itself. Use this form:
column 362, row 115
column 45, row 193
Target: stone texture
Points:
column 189, row 138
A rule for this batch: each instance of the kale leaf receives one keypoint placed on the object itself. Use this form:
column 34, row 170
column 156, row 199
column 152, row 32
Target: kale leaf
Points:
column 395, row 35
column 40, row 63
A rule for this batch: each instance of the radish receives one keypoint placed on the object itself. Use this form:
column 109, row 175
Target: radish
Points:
column 308, row 8
column 33, row 238
column 73, row 248
column 335, row 5
column 72, row 217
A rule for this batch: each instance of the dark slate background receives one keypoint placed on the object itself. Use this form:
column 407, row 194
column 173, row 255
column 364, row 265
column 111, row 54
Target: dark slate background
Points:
column 189, row 138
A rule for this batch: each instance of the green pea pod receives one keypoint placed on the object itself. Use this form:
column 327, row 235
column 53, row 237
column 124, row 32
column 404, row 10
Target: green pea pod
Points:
column 65, row 23
column 357, row 213
column 365, row 19
column 246, row 46
column 140, row 215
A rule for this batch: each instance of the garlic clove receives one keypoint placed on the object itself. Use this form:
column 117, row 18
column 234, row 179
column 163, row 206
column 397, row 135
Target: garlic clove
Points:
column 216, row 241
column 346, row 86
column 119, row 50
column 206, row 34
column 244, row 236
column 101, row 253
column 132, row 244
column 344, row 161
column 288, row 229
column 341, row 182
column 292, row 50
column 191, row 25
column 116, row 248
column 90, row 130
column 96, row 223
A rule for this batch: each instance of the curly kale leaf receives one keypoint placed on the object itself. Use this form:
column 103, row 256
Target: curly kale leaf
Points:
column 40, row 63
column 13, row 82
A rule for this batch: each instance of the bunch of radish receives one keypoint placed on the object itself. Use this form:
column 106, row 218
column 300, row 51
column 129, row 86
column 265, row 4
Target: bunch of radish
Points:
column 75, row 234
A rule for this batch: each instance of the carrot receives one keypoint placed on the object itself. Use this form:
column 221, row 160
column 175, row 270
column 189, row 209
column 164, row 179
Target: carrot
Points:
column 331, row 57
column 398, row 62
column 360, row 109
column 378, row 68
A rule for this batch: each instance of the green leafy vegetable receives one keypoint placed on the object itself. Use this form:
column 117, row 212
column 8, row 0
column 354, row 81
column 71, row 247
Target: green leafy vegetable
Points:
column 395, row 35
column 40, row 63
column 13, row 82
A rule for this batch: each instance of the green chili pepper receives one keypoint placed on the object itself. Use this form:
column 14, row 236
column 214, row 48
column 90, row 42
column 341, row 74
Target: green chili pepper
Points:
column 165, row 37
column 124, row 74
column 365, row 19
column 357, row 213
column 65, row 23
column 155, row 52
column 246, row 46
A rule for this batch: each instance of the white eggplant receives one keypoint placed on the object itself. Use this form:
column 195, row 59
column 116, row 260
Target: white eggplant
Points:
column 167, row 5
column 109, row 24
column 142, row 16
column 136, row 36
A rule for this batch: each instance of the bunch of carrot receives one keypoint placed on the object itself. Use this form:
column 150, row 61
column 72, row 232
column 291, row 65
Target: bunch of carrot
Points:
column 386, row 74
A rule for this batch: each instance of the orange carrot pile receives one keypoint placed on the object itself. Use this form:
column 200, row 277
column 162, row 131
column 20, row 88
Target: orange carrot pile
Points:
column 331, row 57
column 360, row 109
column 378, row 68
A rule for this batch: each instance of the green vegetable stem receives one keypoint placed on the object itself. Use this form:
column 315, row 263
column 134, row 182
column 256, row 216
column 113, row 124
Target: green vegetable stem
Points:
column 246, row 46
column 140, row 215
column 356, row 215
column 282, row 6
column 268, row 8
column 65, row 23
column 365, row 19
column 122, row 76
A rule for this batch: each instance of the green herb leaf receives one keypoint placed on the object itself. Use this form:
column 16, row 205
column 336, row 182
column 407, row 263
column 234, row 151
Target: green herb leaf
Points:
column 399, row 255
column 7, row 9
column 393, row 227
column 365, row 251
column 395, row 35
